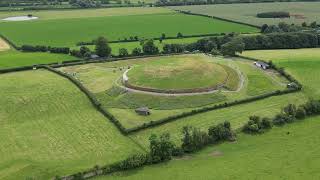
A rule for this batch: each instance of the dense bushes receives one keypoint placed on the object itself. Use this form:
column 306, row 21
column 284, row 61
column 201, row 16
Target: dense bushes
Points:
column 288, row 114
column 291, row 40
column 38, row 48
column 279, row 14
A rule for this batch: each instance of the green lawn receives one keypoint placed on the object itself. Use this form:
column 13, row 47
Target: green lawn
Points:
column 49, row 127
column 304, row 64
column 177, row 73
column 273, row 155
column 68, row 32
column 13, row 58
column 246, row 12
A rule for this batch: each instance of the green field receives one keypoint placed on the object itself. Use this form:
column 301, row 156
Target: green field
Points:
column 302, row 63
column 178, row 73
column 49, row 127
column 85, row 13
column 300, row 11
column 103, row 80
column 274, row 155
column 68, row 32
column 13, row 58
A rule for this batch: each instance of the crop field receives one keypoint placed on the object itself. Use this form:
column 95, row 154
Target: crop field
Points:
column 103, row 80
column 13, row 58
column 85, row 13
column 273, row 155
column 300, row 12
column 68, row 32
column 40, row 140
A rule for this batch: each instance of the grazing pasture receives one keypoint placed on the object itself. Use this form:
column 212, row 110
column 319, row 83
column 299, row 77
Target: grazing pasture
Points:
column 246, row 12
column 13, row 58
column 68, row 32
column 49, row 127
column 291, row 152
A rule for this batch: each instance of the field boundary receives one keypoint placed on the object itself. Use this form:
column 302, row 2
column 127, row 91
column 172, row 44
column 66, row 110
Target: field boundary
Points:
column 216, row 17
column 165, row 120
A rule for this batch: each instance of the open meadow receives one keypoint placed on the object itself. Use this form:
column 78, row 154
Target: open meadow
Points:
column 68, row 32
column 247, row 13
column 54, row 130
column 289, row 152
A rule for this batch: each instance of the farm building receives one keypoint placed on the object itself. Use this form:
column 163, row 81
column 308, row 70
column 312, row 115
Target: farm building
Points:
column 144, row 111
column 262, row 65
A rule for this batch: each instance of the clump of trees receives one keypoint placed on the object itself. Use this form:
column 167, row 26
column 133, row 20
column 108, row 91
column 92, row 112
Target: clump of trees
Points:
column 280, row 28
column 149, row 47
column 288, row 114
column 102, row 48
column 236, row 45
column 39, row 48
column 85, row 3
column 279, row 14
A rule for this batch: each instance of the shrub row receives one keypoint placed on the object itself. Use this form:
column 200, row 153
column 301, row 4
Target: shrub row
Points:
column 290, row 40
column 39, row 48
column 279, row 14
column 288, row 114
column 215, row 17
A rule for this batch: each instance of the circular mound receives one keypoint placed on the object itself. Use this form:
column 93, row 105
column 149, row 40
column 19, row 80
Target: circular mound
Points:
column 187, row 74
column 20, row 18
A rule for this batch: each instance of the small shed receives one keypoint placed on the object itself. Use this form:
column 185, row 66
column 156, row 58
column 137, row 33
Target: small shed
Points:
column 262, row 65
column 144, row 111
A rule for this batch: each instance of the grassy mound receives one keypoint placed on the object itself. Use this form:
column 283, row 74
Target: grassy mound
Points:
column 178, row 74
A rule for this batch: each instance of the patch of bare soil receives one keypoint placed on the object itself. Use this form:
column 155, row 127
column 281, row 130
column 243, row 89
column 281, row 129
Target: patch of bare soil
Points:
column 216, row 154
column 298, row 16
column 4, row 46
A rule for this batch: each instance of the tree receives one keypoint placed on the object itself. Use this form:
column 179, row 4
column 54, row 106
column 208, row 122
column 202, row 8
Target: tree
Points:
column 193, row 139
column 149, row 47
column 102, row 48
column 136, row 52
column 313, row 24
column 163, row 36
column 123, row 52
column 85, row 51
column 232, row 47
column 264, row 27
column 179, row 35
column 221, row 132
column 161, row 148
column 304, row 24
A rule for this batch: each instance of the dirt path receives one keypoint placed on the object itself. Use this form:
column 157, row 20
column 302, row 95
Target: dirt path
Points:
column 4, row 46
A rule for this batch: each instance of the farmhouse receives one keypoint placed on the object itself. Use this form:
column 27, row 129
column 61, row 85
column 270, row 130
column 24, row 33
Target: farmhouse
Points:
column 144, row 111
column 262, row 65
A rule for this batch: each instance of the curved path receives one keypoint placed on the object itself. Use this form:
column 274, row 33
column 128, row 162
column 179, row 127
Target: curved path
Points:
column 125, row 77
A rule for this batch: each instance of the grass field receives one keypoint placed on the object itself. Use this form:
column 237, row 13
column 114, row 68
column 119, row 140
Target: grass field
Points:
column 178, row 73
column 101, row 79
column 274, row 155
column 13, row 58
column 53, row 130
column 301, row 11
column 68, row 32
column 304, row 64
column 85, row 13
